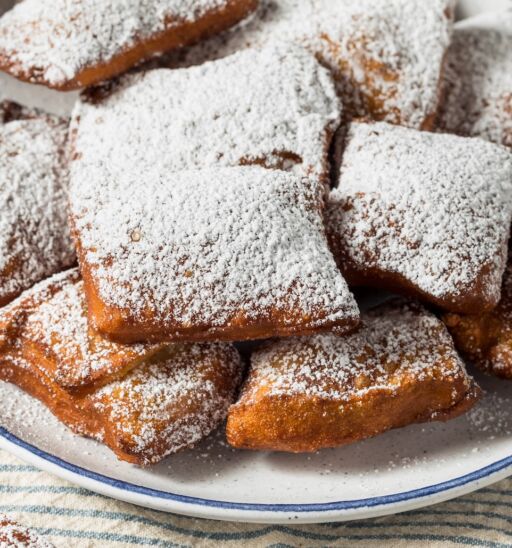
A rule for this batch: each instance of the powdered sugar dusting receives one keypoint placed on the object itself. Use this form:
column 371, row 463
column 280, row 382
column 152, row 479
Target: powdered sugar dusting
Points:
column 386, row 56
column 276, row 107
column 432, row 209
column 53, row 40
column 34, row 235
column 227, row 246
column 170, row 399
column 398, row 342
column 53, row 317
column 167, row 405
column 479, row 79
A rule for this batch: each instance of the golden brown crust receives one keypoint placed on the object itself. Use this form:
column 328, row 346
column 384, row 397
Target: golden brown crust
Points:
column 143, row 402
column 485, row 339
column 48, row 325
column 173, row 37
column 475, row 297
column 275, row 308
column 396, row 188
column 325, row 391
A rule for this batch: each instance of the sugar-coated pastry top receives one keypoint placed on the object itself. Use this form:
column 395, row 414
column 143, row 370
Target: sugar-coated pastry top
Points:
column 210, row 248
column 53, row 40
column 172, row 401
column 53, row 317
column 432, row 209
column 276, row 107
column 34, row 235
column 398, row 343
column 479, row 79
column 386, row 56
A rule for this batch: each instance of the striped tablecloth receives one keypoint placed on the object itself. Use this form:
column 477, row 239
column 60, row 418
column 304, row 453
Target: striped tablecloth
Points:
column 65, row 515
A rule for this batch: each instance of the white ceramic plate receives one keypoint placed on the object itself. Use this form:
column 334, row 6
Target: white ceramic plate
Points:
column 398, row 471
column 395, row 472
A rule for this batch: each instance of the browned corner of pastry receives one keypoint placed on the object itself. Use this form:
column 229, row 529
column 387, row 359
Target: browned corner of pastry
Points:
column 143, row 401
column 305, row 394
column 397, row 187
column 485, row 337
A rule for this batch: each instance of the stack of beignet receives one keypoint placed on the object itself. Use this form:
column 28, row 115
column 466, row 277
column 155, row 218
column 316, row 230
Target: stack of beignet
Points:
column 239, row 195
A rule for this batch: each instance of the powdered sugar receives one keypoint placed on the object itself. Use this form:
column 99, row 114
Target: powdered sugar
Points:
column 433, row 210
column 386, row 56
column 34, row 235
column 164, row 406
column 479, row 79
column 208, row 249
column 398, row 342
column 53, row 40
column 276, row 107
column 161, row 401
column 53, row 317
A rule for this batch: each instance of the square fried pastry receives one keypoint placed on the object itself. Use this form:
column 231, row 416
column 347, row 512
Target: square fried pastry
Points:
column 485, row 339
column 49, row 324
column 478, row 82
column 144, row 402
column 276, row 107
column 423, row 214
column 305, row 394
column 387, row 58
column 35, row 240
column 216, row 254
column 72, row 44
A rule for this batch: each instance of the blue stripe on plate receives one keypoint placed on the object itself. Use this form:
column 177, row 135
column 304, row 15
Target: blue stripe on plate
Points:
column 299, row 508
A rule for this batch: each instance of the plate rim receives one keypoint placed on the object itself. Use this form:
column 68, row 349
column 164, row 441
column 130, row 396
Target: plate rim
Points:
column 379, row 505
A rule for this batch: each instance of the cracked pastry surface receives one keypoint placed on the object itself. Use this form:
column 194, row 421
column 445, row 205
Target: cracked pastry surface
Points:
column 50, row 322
column 304, row 394
column 423, row 214
column 276, row 107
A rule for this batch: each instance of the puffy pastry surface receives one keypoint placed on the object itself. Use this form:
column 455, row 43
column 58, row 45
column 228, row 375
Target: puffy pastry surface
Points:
column 217, row 254
column 35, row 240
column 386, row 57
column 478, row 83
column 276, row 107
column 48, row 324
column 155, row 403
column 69, row 44
column 485, row 339
column 423, row 214
column 308, row 393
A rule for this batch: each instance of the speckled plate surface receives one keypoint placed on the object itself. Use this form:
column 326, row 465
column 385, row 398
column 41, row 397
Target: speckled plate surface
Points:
column 398, row 471
column 395, row 472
